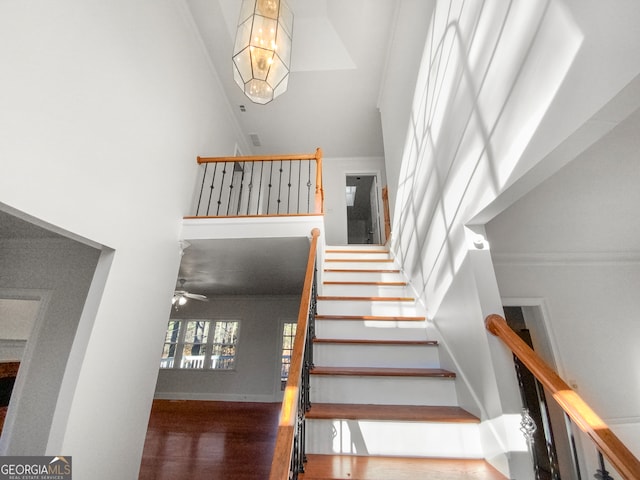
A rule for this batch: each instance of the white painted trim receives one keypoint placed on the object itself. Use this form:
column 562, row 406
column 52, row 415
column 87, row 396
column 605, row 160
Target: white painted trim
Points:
column 378, row 186
column 42, row 296
column 570, row 258
column 250, row 227
column 540, row 304
column 622, row 420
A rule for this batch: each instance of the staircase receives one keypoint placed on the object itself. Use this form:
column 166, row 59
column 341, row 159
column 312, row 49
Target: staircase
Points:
column 382, row 408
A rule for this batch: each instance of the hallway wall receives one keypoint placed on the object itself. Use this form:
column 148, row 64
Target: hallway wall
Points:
column 502, row 85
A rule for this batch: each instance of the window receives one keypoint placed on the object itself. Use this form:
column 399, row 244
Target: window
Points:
column 200, row 344
column 288, row 336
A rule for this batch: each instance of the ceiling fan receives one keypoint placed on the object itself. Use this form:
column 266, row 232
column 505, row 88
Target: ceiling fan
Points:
column 180, row 296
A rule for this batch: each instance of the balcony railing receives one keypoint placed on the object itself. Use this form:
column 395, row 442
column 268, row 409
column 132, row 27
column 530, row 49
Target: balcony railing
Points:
column 261, row 186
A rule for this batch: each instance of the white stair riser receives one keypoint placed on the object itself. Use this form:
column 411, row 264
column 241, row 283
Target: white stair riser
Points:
column 375, row 255
column 362, row 277
column 371, row 329
column 416, row 439
column 366, row 290
column 367, row 265
column 383, row 390
column 361, row 307
column 357, row 355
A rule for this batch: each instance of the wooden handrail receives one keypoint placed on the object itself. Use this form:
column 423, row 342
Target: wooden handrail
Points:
column 620, row 457
column 260, row 158
column 289, row 412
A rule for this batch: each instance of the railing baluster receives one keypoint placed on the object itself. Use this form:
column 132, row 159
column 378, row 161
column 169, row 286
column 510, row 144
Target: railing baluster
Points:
column 279, row 188
column 224, row 173
column 240, row 191
column 299, row 175
column 233, row 174
column 289, row 191
column 309, row 190
column 250, row 187
column 270, row 185
column 213, row 179
column 204, row 176
column 602, row 474
column 260, row 188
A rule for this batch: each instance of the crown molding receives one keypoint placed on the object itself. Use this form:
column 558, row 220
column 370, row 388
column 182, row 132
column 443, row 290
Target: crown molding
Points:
column 568, row 258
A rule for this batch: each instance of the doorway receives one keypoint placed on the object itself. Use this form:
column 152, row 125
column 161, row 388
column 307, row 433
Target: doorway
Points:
column 363, row 218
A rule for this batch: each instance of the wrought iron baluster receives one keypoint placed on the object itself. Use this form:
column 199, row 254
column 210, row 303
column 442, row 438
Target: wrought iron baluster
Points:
column 204, row 176
column 250, row 187
column 241, row 184
column 299, row 185
column 289, row 191
column 279, row 188
column 224, row 173
column 213, row 179
column 601, row 473
column 270, row 185
column 309, row 189
column 260, row 186
column 233, row 171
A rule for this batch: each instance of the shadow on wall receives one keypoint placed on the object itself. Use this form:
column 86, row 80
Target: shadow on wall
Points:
column 489, row 73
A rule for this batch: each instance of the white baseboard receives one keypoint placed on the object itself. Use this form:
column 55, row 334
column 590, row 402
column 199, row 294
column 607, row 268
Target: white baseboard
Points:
column 221, row 397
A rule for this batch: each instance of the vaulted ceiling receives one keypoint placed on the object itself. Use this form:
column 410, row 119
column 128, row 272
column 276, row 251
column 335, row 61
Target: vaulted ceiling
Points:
column 337, row 68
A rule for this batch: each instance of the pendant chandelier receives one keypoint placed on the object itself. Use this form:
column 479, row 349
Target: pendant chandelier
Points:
column 262, row 50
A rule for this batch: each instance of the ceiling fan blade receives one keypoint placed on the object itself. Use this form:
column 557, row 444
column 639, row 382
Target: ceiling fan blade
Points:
column 196, row 296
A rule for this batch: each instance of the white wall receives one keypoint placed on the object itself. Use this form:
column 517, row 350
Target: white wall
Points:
column 500, row 86
column 334, row 173
column 104, row 107
column 256, row 377
column 55, row 274
column 573, row 246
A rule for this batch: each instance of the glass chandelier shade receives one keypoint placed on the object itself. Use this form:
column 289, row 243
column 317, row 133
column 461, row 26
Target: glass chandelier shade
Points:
column 262, row 49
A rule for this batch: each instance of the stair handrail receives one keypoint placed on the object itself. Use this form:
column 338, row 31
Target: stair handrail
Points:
column 316, row 156
column 289, row 413
column 619, row 456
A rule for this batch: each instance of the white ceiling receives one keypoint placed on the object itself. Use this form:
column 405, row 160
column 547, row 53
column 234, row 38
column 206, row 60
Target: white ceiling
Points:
column 338, row 57
column 251, row 266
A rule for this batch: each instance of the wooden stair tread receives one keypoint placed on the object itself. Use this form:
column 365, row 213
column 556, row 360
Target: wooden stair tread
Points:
column 363, row 341
column 360, row 260
column 383, row 372
column 335, row 250
column 358, row 270
column 353, row 467
column 384, row 284
column 369, row 299
column 406, row 413
column 392, row 318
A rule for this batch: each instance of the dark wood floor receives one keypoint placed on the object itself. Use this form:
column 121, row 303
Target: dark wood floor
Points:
column 235, row 441
column 209, row 440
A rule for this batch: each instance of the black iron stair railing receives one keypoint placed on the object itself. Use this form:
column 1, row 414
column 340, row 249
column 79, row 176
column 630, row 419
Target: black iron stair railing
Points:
column 577, row 411
column 289, row 455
